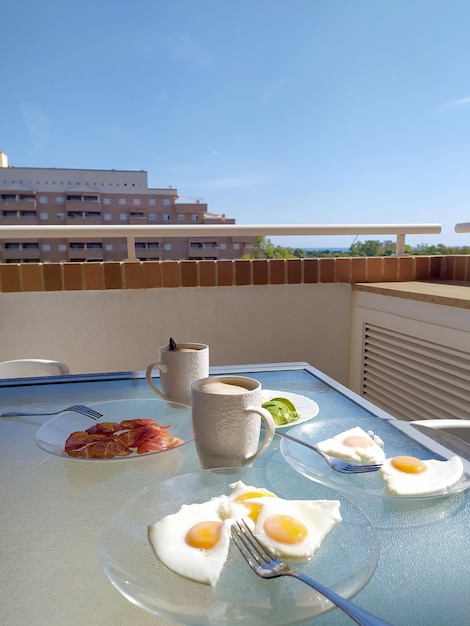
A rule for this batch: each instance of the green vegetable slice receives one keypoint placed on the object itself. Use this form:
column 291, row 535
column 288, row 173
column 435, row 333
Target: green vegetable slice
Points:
column 282, row 410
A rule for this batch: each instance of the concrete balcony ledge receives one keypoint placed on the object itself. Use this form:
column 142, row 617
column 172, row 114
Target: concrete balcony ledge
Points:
column 454, row 294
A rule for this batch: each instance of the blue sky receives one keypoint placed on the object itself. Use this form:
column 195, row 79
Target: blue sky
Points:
column 273, row 111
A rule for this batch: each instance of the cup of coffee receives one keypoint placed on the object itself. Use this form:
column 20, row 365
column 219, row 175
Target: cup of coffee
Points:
column 179, row 367
column 227, row 416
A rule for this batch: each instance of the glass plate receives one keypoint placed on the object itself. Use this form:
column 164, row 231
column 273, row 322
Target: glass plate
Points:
column 313, row 466
column 52, row 435
column 305, row 407
column 345, row 561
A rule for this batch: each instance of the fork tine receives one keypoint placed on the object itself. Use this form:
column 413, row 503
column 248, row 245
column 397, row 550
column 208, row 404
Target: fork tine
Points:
column 80, row 408
column 362, row 469
column 242, row 532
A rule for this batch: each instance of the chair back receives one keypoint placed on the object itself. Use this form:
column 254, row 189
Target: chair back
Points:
column 25, row 368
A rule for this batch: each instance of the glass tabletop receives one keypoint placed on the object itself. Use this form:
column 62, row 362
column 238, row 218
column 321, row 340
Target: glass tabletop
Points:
column 424, row 548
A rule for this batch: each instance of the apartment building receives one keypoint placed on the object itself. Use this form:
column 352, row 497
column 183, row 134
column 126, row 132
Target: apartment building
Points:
column 36, row 196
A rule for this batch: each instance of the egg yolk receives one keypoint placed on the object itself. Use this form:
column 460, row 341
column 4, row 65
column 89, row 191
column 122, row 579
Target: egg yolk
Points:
column 356, row 441
column 204, row 535
column 253, row 507
column 285, row 529
column 409, row 464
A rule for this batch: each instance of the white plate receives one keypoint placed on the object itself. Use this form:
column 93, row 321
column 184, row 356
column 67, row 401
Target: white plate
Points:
column 52, row 435
column 305, row 407
column 313, row 466
column 345, row 561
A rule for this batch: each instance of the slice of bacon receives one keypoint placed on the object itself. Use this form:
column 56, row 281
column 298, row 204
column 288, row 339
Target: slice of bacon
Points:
column 158, row 443
column 107, row 440
column 104, row 427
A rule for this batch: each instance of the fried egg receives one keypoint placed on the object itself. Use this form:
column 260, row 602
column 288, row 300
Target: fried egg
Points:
column 295, row 528
column 409, row 476
column 240, row 504
column 194, row 541
column 354, row 445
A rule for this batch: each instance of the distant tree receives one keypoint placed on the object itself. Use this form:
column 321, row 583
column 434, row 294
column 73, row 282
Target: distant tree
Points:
column 368, row 248
column 264, row 248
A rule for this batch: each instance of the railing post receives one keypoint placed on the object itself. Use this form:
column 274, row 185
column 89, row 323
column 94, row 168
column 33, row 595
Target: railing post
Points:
column 400, row 245
column 130, row 249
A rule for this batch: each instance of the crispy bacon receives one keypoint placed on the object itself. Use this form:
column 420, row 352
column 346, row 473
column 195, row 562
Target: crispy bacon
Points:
column 104, row 427
column 107, row 440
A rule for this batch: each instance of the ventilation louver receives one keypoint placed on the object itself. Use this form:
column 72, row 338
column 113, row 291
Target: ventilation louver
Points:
column 414, row 378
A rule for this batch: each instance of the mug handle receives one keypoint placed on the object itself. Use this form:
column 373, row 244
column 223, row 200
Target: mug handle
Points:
column 148, row 377
column 269, row 431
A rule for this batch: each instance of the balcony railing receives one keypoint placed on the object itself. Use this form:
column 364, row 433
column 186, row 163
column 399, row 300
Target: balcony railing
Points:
column 130, row 232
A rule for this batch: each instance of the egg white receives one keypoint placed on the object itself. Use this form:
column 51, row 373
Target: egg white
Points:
column 439, row 476
column 318, row 516
column 168, row 539
column 231, row 509
column 370, row 454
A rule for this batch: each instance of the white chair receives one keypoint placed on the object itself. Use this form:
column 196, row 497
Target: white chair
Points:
column 25, row 368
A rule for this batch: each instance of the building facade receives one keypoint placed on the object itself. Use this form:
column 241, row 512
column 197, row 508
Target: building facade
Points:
column 50, row 196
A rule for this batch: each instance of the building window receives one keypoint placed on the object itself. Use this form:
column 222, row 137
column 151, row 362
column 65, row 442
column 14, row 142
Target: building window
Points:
column 12, row 246
column 28, row 214
column 136, row 213
column 46, row 247
column 77, row 246
column 195, row 218
column 60, row 216
column 42, row 200
column 181, row 217
column 62, row 247
column 136, row 202
column 195, row 244
column 152, row 202
column 223, row 246
column 123, row 217
column 166, row 202
column 106, row 200
column 168, row 246
column 153, row 245
column 166, row 217
column 44, row 216
column 108, row 247
column 122, row 201
column 152, row 217
column 107, row 217
column 92, row 214
column 59, row 200
column 236, row 246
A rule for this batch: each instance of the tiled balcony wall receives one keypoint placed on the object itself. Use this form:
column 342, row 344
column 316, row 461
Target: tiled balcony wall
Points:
column 167, row 274
column 112, row 316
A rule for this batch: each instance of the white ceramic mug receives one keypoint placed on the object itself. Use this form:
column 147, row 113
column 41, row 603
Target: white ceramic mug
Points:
column 226, row 414
column 178, row 370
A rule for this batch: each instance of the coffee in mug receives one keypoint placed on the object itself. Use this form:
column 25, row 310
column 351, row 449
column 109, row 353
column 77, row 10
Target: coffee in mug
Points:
column 180, row 365
column 227, row 414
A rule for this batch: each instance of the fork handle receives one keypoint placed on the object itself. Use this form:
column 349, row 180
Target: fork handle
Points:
column 17, row 414
column 360, row 616
column 281, row 433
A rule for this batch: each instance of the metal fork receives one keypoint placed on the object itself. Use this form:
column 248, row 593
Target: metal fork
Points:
column 77, row 408
column 337, row 464
column 266, row 566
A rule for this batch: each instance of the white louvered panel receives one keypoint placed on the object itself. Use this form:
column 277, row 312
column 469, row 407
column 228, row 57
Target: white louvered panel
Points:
column 430, row 381
column 413, row 378
column 430, row 364
column 421, row 351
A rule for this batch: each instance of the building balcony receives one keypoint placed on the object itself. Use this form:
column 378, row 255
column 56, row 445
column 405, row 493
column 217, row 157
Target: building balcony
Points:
column 394, row 329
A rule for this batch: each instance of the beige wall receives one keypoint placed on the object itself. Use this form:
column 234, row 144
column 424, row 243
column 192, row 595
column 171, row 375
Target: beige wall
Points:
column 120, row 330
